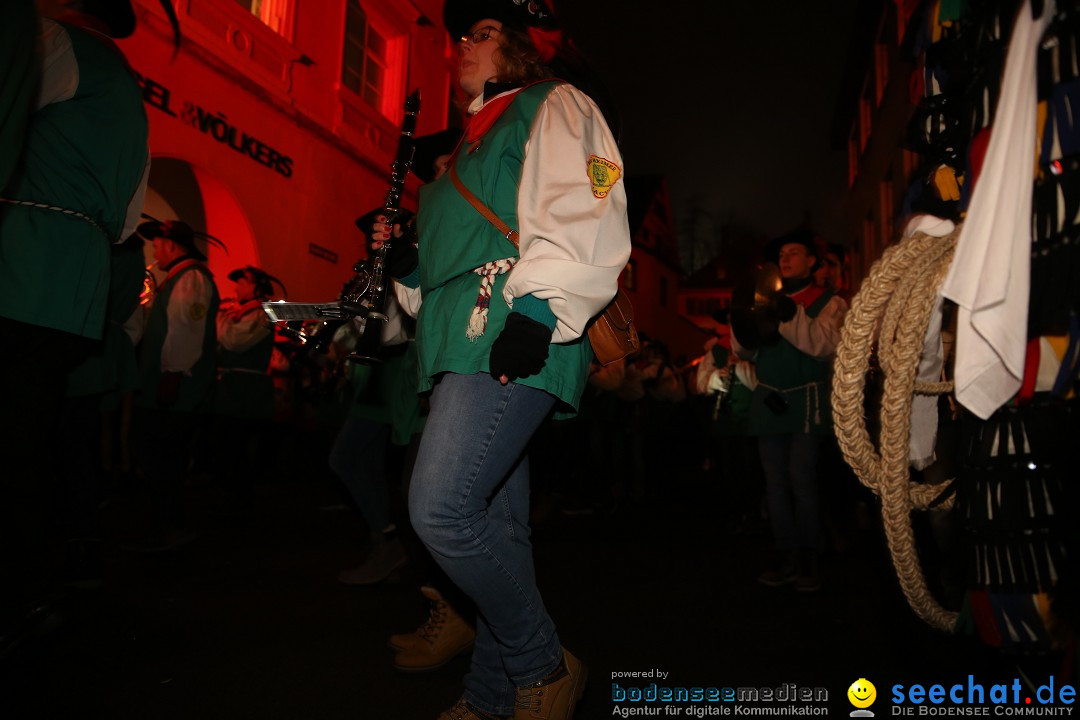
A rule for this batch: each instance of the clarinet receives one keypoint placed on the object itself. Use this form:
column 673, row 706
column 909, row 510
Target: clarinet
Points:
column 367, row 349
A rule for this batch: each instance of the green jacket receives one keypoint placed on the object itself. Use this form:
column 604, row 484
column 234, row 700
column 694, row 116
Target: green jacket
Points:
column 86, row 154
column 455, row 239
column 799, row 380
column 112, row 364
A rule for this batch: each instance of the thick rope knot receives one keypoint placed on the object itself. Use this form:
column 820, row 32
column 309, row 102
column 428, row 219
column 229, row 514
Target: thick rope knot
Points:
column 894, row 307
column 487, row 272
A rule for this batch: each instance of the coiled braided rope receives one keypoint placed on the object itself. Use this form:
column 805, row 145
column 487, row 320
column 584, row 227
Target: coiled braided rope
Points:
column 898, row 297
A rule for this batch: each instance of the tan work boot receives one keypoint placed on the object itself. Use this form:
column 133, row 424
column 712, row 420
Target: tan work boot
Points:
column 554, row 697
column 443, row 637
column 404, row 641
column 464, row 711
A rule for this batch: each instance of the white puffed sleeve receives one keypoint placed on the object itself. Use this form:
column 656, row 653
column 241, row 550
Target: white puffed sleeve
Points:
column 575, row 238
column 60, row 69
column 238, row 334
column 189, row 302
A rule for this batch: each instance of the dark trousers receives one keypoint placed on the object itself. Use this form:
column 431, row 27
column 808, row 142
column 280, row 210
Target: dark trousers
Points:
column 162, row 451
column 34, row 363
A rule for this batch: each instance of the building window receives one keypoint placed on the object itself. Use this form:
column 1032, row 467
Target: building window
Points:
column 881, row 70
column 375, row 57
column 853, row 159
column 364, row 67
column 276, row 14
column 865, row 112
column 910, row 164
column 904, row 9
column 887, row 211
column 870, row 250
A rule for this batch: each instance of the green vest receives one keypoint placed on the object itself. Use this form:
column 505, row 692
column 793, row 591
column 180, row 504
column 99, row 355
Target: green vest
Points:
column 800, row 380
column 244, row 389
column 734, row 410
column 112, row 364
column 85, row 154
column 455, row 239
column 194, row 391
column 21, row 76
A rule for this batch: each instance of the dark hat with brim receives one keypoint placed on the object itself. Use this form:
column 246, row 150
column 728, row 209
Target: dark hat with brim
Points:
column 177, row 231
column 117, row 14
column 262, row 280
column 429, row 148
column 802, row 236
column 459, row 15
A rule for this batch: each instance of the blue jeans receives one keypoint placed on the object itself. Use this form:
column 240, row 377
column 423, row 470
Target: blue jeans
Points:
column 790, row 465
column 469, row 503
column 359, row 459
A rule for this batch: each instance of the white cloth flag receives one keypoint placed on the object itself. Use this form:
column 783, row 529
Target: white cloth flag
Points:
column 990, row 274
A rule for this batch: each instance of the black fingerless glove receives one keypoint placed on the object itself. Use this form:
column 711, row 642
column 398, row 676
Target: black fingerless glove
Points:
column 402, row 256
column 521, row 348
column 781, row 307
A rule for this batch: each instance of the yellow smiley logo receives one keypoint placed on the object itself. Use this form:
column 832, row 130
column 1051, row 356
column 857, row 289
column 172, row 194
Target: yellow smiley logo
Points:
column 862, row 693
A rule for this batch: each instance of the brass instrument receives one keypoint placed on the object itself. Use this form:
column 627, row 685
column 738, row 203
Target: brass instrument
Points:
column 751, row 320
column 149, row 287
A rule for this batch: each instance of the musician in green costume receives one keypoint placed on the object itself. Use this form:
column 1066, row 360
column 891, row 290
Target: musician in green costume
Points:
column 789, row 410
column 72, row 172
column 501, row 330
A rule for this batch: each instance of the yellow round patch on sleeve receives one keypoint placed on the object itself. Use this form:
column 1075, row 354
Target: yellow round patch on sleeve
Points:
column 603, row 174
column 198, row 311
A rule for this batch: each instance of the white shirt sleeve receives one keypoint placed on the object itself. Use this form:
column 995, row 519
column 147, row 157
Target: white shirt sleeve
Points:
column 705, row 370
column 818, row 336
column 409, row 298
column 240, row 334
column 574, row 233
column 135, row 205
column 60, row 70
column 393, row 332
column 188, row 305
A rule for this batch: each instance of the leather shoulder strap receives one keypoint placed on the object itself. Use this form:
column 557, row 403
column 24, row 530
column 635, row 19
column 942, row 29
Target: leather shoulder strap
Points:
column 507, row 232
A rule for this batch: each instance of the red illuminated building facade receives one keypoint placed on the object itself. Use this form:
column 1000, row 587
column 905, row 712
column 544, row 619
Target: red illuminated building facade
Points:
column 275, row 124
column 652, row 277
column 873, row 118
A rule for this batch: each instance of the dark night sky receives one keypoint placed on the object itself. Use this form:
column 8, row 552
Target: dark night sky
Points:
column 732, row 101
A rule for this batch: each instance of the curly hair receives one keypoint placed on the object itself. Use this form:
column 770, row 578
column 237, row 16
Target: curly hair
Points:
column 518, row 60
